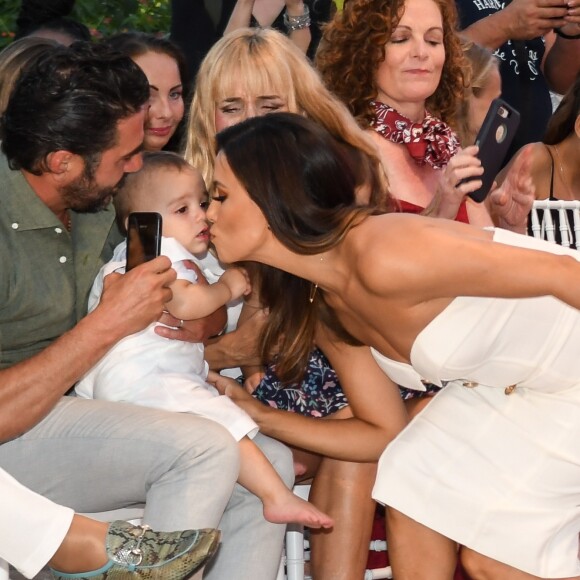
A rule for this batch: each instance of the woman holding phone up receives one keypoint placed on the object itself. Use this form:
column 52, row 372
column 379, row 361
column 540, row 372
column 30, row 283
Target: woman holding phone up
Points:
column 405, row 91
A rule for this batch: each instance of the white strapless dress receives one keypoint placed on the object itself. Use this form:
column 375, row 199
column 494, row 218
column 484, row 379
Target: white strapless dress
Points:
column 493, row 462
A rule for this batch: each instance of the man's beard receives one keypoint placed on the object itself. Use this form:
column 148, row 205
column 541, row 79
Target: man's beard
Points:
column 83, row 195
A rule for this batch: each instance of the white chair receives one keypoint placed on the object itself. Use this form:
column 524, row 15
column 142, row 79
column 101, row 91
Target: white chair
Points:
column 568, row 222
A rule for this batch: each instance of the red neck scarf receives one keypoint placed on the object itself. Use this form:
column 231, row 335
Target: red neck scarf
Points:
column 432, row 141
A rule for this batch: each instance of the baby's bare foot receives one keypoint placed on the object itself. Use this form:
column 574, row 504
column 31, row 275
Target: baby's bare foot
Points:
column 290, row 509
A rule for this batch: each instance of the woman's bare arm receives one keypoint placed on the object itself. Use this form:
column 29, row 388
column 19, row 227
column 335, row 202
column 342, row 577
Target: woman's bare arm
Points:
column 240, row 16
column 378, row 410
column 440, row 259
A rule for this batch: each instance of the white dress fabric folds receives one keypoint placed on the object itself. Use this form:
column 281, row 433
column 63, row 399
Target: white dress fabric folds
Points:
column 493, row 461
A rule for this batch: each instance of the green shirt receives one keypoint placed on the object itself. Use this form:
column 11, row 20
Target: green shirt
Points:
column 46, row 272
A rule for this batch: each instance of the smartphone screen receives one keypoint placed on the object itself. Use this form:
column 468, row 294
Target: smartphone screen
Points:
column 494, row 139
column 143, row 237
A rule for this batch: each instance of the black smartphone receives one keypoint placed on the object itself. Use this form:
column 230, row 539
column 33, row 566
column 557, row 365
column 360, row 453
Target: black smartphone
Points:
column 143, row 237
column 494, row 139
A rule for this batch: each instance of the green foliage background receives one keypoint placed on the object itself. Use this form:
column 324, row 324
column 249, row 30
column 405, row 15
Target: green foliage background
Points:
column 103, row 17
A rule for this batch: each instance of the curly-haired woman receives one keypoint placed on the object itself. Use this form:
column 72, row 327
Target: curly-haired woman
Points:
column 400, row 68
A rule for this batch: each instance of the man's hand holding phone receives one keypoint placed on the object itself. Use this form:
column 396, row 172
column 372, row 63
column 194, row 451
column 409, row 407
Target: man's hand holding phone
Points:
column 132, row 301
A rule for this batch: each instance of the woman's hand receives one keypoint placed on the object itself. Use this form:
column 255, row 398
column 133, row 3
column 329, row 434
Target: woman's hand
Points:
column 451, row 190
column 511, row 202
column 232, row 389
column 252, row 381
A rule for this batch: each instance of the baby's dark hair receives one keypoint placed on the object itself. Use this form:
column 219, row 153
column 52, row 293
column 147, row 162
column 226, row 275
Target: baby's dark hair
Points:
column 133, row 183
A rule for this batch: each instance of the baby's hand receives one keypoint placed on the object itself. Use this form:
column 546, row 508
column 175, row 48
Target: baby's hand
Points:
column 237, row 281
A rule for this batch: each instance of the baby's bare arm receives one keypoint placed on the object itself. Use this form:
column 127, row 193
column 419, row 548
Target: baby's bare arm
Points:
column 191, row 301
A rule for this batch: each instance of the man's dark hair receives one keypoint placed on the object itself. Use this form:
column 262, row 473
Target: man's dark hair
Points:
column 70, row 99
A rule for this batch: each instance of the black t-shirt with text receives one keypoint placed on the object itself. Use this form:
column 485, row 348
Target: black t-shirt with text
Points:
column 523, row 84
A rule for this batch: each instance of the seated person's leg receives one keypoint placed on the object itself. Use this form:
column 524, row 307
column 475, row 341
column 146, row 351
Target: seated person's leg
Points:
column 343, row 490
column 280, row 504
column 417, row 552
column 95, row 456
column 35, row 531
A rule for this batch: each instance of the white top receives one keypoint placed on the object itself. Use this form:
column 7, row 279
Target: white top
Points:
column 147, row 369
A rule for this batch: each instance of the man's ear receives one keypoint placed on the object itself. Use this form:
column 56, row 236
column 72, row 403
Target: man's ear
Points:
column 60, row 162
column 577, row 126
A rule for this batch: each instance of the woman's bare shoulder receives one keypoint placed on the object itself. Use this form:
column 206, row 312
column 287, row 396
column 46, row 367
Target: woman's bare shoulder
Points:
column 402, row 237
column 388, row 238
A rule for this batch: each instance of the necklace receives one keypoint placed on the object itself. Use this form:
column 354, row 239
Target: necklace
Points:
column 313, row 289
column 66, row 220
column 562, row 175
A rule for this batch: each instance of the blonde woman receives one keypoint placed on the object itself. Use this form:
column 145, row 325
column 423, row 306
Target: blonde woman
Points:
column 254, row 71
column 485, row 86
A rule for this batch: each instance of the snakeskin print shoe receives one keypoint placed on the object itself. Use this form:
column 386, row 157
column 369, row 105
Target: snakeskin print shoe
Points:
column 137, row 552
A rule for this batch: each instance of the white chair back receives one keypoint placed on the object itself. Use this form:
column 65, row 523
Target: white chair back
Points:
column 567, row 224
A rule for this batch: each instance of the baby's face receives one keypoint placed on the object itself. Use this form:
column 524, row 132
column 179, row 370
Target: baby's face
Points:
column 181, row 199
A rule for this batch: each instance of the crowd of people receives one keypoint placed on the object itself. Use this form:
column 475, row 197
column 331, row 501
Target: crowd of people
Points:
column 330, row 304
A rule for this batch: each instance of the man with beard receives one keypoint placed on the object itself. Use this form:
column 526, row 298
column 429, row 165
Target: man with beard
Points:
column 72, row 129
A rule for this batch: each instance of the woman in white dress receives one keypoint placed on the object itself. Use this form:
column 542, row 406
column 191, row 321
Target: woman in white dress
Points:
column 493, row 463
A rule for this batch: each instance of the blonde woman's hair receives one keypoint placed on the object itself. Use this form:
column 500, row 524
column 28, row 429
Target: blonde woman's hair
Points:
column 15, row 58
column 263, row 61
column 482, row 62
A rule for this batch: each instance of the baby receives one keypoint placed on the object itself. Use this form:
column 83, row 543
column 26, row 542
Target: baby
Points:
column 147, row 369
